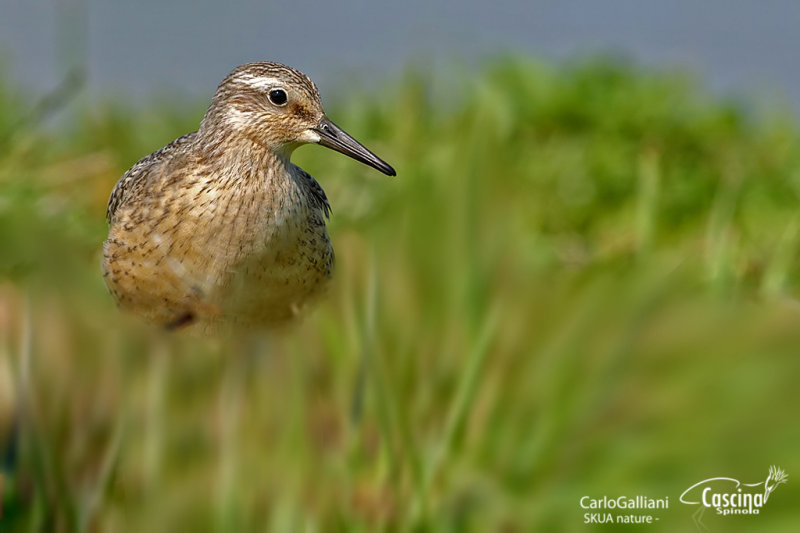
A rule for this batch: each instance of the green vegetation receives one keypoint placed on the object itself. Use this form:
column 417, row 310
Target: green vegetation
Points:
column 581, row 282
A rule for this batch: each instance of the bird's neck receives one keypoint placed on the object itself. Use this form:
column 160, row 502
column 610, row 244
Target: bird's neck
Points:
column 248, row 157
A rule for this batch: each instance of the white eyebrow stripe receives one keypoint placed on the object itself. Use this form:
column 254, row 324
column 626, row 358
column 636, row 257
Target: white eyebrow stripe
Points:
column 259, row 82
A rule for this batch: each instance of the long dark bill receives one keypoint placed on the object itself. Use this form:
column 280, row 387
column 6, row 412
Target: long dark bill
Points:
column 335, row 138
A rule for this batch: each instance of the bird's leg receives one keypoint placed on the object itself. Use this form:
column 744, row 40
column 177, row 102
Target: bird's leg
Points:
column 233, row 390
column 157, row 384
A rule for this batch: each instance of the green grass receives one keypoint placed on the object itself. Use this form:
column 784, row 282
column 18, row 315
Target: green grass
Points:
column 582, row 282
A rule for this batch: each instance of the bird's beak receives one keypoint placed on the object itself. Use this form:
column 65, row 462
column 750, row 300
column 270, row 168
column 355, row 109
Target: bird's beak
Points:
column 335, row 138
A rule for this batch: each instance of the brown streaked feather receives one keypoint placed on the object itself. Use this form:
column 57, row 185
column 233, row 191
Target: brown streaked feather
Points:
column 138, row 172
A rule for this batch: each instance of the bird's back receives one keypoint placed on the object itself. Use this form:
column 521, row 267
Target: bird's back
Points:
column 134, row 183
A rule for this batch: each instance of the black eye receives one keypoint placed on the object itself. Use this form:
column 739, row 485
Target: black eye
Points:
column 277, row 96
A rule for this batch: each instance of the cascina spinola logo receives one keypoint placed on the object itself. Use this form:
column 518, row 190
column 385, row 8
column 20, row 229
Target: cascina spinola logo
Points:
column 729, row 496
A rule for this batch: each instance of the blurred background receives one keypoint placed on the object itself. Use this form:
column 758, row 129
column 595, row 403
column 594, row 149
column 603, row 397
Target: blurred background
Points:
column 583, row 280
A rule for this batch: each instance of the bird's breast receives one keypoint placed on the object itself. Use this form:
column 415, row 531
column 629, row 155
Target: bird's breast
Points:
column 272, row 255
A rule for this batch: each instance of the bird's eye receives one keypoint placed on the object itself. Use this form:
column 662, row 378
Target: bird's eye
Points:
column 277, row 97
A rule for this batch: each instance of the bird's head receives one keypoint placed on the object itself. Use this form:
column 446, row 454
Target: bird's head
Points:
column 279, row 108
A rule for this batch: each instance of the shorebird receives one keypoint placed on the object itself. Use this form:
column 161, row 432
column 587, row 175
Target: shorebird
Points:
column 219, row 227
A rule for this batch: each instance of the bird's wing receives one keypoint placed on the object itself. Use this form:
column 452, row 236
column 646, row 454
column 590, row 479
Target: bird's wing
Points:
column 315, row 192
column 137, row 174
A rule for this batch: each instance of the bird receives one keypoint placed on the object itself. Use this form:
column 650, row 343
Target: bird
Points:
column 219, row 228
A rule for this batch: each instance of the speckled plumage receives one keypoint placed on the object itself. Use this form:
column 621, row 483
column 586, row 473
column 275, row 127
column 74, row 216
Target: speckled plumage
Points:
column 219, row 227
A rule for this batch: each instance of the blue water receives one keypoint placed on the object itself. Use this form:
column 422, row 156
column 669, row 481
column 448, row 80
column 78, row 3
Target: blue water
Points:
column 746, row 48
